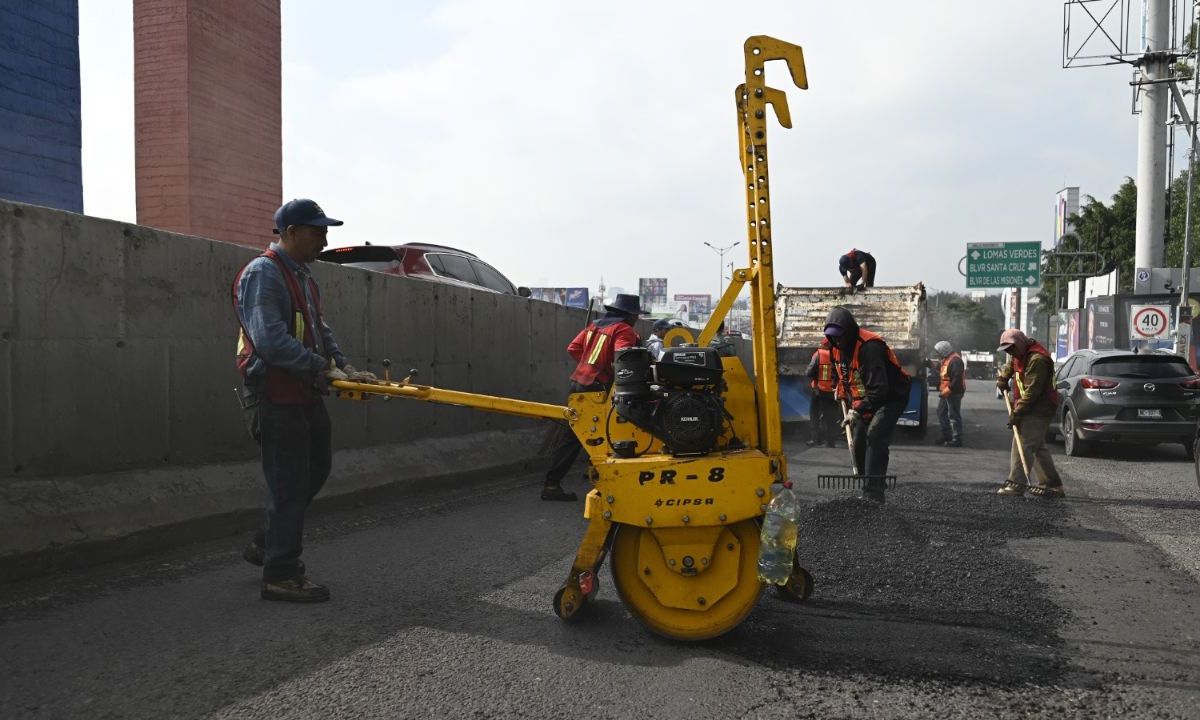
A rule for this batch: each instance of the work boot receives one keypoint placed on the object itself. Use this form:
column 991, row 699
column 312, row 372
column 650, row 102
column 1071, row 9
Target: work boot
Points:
column 810, row 443
column 953, row 443
column 255, row 554
column 555, row 492
column 298, row 589
column 1048, row 491
column 873, row 491
column 941, row 441
column 1012, row 489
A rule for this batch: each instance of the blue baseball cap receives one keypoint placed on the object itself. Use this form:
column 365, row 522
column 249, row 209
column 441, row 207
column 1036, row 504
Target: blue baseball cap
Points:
column 301, row 212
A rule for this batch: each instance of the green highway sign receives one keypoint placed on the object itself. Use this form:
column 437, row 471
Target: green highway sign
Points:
column 1004, row 265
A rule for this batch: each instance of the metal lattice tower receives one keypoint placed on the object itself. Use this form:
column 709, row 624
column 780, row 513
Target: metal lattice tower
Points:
column 1102, row 32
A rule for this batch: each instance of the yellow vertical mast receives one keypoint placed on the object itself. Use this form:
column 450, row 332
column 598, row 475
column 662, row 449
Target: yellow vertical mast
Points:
column 752, row 99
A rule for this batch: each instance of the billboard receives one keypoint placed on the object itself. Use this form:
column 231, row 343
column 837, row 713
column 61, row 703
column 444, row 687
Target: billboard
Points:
column 1068, row 333
column 696, row 304
column 1101, row 324
column 571, row 297
column 653, row 292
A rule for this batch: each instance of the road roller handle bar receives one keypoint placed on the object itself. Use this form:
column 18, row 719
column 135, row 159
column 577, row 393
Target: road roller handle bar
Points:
column 361, row 390
column 752, row 98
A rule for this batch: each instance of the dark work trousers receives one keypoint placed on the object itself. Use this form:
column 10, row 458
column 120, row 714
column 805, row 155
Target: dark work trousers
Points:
column 568, row 446
column 949, row 412
column 823, row 418
column 856, row 274
column 296, row 458
column 873, row 440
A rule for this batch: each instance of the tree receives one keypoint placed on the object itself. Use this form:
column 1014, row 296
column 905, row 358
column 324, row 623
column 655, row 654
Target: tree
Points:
column 1106, row 229
column 967, row 324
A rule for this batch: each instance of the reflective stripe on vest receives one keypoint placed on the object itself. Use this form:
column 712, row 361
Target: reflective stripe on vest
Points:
column 824, row 381
column 858, row 388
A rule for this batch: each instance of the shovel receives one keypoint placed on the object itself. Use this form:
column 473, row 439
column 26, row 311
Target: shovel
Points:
column 857, row 481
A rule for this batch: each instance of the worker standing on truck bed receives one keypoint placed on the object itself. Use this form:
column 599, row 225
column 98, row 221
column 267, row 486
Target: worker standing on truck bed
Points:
column 857, row 269
column 875, row 387
column 952, row 385
column 285, row 353
column 1036, row 402
column 593, row 349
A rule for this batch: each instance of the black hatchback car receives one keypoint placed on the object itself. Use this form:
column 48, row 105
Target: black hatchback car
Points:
column 1121, row 396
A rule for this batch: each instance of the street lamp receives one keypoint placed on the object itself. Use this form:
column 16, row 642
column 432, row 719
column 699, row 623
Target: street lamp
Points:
column 721, row 264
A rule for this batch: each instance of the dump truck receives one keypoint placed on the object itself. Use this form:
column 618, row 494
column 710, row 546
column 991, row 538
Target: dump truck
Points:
column 896, row 313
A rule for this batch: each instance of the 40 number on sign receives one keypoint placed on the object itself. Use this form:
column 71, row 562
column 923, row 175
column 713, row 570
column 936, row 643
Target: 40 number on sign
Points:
column 1149, row 321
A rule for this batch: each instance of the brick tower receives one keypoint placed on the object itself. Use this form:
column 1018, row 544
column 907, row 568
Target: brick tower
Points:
column 209, row 149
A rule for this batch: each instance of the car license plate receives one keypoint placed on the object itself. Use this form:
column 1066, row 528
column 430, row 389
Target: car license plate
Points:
column 1153, row 414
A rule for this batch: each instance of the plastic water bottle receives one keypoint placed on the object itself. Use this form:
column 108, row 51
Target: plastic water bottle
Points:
column 777, row 542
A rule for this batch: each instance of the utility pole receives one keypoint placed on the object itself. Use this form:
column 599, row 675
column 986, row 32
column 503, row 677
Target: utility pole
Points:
column 1183, row 313
column 1152, row 134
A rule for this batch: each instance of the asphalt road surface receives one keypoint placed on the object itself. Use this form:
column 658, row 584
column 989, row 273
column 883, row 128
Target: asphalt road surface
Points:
column 946, row 602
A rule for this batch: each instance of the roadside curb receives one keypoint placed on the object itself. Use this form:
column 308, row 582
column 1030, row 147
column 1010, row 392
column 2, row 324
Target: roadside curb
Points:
column 49, row 524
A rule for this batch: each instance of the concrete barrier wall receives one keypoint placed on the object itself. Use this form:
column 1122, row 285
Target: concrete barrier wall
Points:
column 117, row 342
column 116, row 379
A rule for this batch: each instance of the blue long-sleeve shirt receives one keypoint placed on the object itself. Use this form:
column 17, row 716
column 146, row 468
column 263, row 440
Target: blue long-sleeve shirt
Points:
column 265, row 307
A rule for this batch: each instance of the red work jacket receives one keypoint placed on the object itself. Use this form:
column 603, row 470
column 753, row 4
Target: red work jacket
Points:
column 596, row 345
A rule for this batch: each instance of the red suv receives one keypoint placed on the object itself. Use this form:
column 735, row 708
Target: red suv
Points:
column 428, row 262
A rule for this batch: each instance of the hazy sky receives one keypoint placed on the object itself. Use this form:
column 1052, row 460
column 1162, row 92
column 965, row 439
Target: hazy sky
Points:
column 563, row 142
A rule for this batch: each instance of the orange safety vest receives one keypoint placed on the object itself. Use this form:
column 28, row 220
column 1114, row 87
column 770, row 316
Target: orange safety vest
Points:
column 858, row 389
column 282, row 386
column 944, row 388
column 824, row 381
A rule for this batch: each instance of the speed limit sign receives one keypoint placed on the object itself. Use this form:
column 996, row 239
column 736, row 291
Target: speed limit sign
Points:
column 1149, row 322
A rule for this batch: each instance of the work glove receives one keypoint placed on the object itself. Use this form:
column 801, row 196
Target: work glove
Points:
column 336, row 373
column 852, row 420
column 861, row 408
column 358, row 375
column 1014, row 419
column 1002, row 384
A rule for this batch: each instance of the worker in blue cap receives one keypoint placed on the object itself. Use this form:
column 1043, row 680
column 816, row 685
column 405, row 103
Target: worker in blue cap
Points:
column 286, row 355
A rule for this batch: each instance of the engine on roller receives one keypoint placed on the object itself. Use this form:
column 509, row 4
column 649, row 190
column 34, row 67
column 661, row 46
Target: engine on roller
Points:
column 676, row 399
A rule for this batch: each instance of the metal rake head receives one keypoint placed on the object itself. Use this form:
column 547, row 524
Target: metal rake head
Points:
column 853, row 482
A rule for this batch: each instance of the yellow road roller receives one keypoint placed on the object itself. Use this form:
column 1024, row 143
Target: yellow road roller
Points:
column 684, row 449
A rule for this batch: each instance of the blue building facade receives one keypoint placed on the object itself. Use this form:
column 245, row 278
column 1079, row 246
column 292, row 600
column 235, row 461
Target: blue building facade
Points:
column 40, row 103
